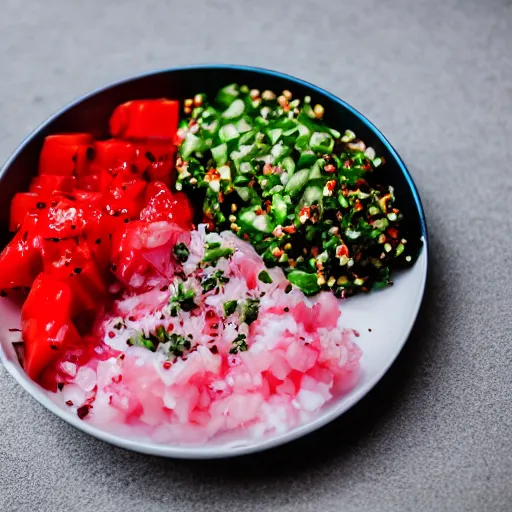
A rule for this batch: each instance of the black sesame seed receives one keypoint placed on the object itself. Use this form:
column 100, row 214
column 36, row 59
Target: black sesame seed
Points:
column 77, row 270
column 214, row 349
column 60, row 385
column 54, row 347
column 97, row 241
column 150, row 156
column 73, row 226
column 40, row 205
column 286, row 310
column 89, row 153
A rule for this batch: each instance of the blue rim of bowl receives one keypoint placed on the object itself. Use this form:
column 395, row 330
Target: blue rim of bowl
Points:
column 217, row 452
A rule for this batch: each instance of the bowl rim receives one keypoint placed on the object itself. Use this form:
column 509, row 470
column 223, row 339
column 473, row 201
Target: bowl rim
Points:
column 218, row 452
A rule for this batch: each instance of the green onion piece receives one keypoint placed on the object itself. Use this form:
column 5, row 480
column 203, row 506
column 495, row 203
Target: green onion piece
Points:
column 236, row 109
column 288, row 165
column 230, row 307
column 274, row 135
column 321, row 142
column 191, row 144
column 141, row 340
column 213, row 255
column 228, row 132
column 227, row 95
column 297, row 182
column 220, row 154
column 264, row 277
column 308, row 283
column 279, row 209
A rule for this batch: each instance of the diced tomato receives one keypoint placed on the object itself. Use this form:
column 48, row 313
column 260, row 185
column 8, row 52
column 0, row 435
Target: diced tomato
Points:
column 98, row 233
column 62, row 218
column 145, row 119
column 48, row 184
column 71, row 261
column 162, row 204
column 156, row 159
column 23, row 203
column 125, row 196
column 111, row 155
column 66, row 154
column 20, row 261
column 46, row 324
column 88, row 198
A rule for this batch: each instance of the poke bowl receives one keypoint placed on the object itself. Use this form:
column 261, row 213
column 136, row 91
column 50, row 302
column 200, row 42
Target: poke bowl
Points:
column 206, row 261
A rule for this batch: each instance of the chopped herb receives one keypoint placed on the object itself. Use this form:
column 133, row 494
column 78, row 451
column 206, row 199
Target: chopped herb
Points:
column 230, row 307
column 251, row 311
column 179, row 344
column 239, row 344
column 181, row 252
column 213, row 281
column 161, row 334
column 141, row 340
column 184, row 300
column 264, row 277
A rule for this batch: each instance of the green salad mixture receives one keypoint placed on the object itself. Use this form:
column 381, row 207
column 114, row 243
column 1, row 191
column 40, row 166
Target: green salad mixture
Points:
column 306, row 196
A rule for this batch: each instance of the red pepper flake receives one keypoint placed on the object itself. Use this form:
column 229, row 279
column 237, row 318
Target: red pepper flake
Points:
column 83, row 411
column 358, row 206
column 117, row 379
column 367, row 166
column 330, row 185
column 210, row 314
column 122, row 356
column 329, row 168
column 246, row 236
column 267, row 169
column 214, row 349
column 69, row 402
column 393, row 232
column 290, row 229
column 167, row 365
column 347, row 164
column 111, row 335
column 259, row 211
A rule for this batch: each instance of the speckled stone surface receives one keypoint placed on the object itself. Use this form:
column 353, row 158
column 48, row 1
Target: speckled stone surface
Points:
column 436, row 77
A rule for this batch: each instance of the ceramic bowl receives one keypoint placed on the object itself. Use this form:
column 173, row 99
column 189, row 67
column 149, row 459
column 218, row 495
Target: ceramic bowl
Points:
column 384, row 319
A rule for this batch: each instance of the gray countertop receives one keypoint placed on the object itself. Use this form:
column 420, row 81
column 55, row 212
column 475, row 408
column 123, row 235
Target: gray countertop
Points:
column 436, row 77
